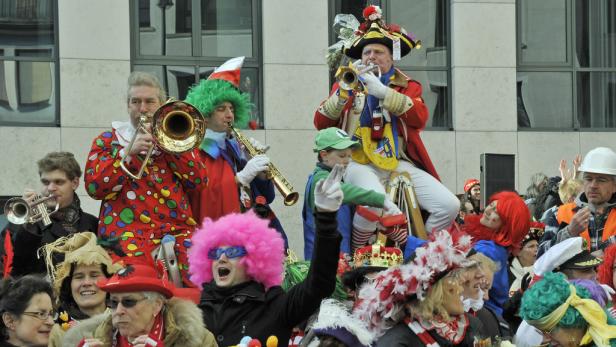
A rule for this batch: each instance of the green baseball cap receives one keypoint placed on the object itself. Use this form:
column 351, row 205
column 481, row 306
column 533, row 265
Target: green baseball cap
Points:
column 333, row 138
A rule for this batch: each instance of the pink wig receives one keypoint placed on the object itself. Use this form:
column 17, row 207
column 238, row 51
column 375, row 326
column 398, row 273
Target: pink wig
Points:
column 264, row 248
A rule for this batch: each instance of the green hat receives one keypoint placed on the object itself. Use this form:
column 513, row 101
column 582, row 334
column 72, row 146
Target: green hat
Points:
column 333, row 138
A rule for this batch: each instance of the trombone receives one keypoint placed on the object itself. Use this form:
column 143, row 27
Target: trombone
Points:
column 20, row 211
column 177, row 127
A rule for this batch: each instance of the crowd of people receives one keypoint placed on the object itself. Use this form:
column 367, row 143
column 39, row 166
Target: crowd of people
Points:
column 186, row 250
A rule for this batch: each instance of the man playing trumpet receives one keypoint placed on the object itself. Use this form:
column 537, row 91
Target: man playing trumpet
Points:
column 59, row 173
column 140, row 212
column 386, row 117
column 235, row 182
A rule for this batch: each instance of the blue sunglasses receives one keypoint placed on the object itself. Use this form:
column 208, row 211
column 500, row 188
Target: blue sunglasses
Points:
column 230, row 252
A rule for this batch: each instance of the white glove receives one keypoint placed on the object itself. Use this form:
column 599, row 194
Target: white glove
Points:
column 390, row 209
column 253, row 167
column 374, row 85
column 328, row 193
column 258, row 145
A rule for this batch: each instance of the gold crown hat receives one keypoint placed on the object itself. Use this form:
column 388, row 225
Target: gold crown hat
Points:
column 378, row 255
column 375, row 30
column 80, row 249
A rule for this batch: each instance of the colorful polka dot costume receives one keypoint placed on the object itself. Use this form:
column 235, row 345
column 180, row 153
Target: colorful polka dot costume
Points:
column 140, row 212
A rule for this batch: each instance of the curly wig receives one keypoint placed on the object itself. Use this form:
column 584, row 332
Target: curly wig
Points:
column 208, row 94
column 264, row 245
column 515, row 219
column 605, row 274
column 549, row 293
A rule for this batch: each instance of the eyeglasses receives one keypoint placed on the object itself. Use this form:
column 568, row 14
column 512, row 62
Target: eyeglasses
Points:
column 126, row 302
column 230, row 252
column 43, row 315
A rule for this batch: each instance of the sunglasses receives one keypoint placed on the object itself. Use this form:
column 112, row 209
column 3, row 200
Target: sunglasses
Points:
column 126, row 302
column 230, row 252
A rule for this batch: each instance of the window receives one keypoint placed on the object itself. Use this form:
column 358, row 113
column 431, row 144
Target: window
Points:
column 428, row 21
column 199, row 35
column 566, row 64
column 28, row 63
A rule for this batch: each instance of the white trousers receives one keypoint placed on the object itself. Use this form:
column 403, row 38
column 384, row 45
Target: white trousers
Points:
column 432, row 195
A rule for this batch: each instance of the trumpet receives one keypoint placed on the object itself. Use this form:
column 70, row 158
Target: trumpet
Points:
column 348, row 76
column 20, row 211
column 177, row 127
column 280, row 182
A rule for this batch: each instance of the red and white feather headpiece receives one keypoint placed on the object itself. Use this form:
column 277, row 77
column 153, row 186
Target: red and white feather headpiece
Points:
column 382, row 298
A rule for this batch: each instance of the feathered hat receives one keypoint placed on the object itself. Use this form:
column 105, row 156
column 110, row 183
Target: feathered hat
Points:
column 77, row 249
column 375, row 30
column 264, row 247
column 335, row 320
column 382, row 299
column 222, row 85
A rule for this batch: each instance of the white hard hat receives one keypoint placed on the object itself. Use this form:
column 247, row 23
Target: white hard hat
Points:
column 601, row 160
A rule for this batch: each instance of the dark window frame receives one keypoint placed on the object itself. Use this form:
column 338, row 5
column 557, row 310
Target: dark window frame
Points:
column 55, row 59
column 197, row 62
column 334, row 9
column 569, row 67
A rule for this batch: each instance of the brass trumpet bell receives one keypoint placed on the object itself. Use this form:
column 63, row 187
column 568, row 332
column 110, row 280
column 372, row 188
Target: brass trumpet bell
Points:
column 21, row 211
column 178, row 127
column 348, row 77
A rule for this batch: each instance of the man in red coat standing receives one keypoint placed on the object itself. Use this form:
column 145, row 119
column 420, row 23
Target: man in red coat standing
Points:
column 386, row 118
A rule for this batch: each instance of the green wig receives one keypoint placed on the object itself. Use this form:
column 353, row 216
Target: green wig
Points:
column 549, row 293
column 208, row 94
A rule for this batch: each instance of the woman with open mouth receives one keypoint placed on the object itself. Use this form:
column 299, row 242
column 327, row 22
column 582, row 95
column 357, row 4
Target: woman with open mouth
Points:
column 27, row 312
column 74, row 280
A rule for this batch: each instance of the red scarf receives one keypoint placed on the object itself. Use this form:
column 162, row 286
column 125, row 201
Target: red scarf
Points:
column 155, row 336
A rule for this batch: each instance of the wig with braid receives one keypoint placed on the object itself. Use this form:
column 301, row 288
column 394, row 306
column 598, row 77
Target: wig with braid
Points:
column 515, row 218
column 264, row 247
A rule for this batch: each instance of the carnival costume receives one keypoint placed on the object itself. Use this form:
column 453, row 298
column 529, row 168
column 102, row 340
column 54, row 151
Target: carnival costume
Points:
column 382, row 302
column 260, row 307
column 387, row 127
column 140, row 212
column 517, row 272
column 498, row 244
column 555, row 303
column 223, row 155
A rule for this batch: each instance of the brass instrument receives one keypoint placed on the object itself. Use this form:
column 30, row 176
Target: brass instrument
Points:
column 177, row 127
column 348, row 76
column 20, row 211
column 282, row 184
column 165, row 252
column 400, row 191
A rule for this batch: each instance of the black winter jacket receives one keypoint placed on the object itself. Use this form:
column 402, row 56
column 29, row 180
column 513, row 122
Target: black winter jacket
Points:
column 400, row 335
column 27, row 239
column 248, row 309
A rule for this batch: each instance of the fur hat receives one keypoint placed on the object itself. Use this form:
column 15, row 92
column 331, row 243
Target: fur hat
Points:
column 264, row 245
column 78, row 249
column 375, row 30
column 382, row 299
column 334, row 320
column 221, row 86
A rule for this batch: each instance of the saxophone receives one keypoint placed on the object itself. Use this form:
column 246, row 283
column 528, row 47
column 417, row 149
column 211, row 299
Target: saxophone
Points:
column 280, row 182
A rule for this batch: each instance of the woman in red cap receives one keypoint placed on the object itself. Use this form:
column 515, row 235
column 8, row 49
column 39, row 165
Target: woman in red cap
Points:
column 144, row 313
column 472, row 194
column 498, row 232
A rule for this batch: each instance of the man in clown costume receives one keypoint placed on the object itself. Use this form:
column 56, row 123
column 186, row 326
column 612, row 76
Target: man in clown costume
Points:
column 386, row 118
column 236, row 182
column 140, row 212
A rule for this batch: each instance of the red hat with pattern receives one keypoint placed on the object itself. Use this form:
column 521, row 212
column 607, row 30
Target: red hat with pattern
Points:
column 470, row 183
column 229, row 71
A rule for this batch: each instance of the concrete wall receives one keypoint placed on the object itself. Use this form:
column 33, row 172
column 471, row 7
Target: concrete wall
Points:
column 95, row 61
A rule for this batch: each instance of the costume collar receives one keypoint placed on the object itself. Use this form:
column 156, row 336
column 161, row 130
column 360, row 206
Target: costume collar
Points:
column 399, row 79
column 124, row 132
column 452, row 331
